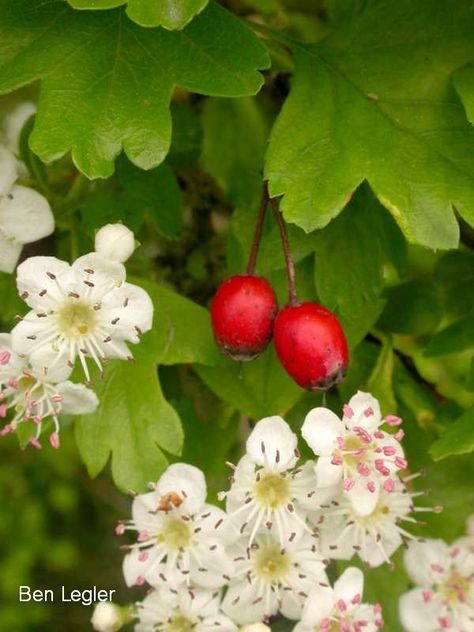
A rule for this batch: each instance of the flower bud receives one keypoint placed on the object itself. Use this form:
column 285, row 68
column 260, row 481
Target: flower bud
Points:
column 106, row 617
column 115, row 242
column 255, row 627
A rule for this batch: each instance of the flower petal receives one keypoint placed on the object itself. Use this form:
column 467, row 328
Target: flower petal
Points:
column 349, row 584
column 242, row 605
column 10, row 252
column 77, row 399
column 218, row 623
column 8, row 170
column 131, row 308
column 25, row 215
column 321, row 429
column 11, row 365
column 135, row 567
column 216, row 564
column 97, row 275
column 188, row 482
column 318, row 605
column 365, row 412
column 424, row 561
column 273, row 444
column 37, row 274
column 327, row 473
column 417, row 615
column 363, row 501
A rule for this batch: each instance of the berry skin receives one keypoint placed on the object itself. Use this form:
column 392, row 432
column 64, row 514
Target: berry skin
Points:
column 242, row 312
column 311, row 345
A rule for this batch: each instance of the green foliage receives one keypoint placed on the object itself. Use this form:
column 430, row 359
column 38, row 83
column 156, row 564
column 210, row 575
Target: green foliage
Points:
column 170, row 14
column 119, row 77
column 375, row 102
column 457, row 438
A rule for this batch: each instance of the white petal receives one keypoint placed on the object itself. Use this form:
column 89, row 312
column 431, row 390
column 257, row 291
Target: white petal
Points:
column 219, row 623
column 157, row 607
column 273, row 444
column 25, row 215
column 46, row 371
column 376, row 552
column 418, row 616
column 217, row 564
column 134, row 568
column 365, row 411
column 239, row 603
column 318, row 605
column 37, row 274
column 420, row 557
column 188, row 482
column 132, row 307
column 321, row 429
column 8, row 170
column 143, row 507
column 77, row 399
column 203, row 603
column 98, row 275
column 363, row 501
column 349, row 584
column 11, row 365
column 115, row 242
column 10, row 252
column 327, row 474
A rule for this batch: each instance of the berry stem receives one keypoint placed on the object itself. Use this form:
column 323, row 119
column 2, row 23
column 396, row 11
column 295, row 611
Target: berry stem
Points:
column 258, row 230
column 290, row 266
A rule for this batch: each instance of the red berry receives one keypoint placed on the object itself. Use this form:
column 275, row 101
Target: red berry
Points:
column 242, row 313
column 311, row 345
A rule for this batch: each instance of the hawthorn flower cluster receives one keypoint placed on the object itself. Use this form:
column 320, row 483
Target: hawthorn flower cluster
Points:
column 443, row 575
column 79, row 314
column 284, row 521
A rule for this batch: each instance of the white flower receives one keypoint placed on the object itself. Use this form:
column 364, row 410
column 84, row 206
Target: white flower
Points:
column 267, row 490
column 181, row 539
column 444, row 596
column 25, row 215
column 182, row 610
column 355, row 452
column 14, row 123
column 269, row 579
column 85, row 309
column 255, row 627
column 115, row 242
column 340, row 608
column 106, row 617
column 375, row 536
column 35, row 395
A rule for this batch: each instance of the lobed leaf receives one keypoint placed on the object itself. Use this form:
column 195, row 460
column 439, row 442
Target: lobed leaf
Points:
column 106, row 83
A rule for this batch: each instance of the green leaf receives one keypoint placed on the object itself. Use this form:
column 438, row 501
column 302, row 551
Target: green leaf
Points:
column 132, row 423
column 374, row 102
column 454, row 274
column 106, row 83
column 170, row 14
column 258, row 389
column 412, row 308
column 133, row 194
column 457, row 337
column 457, row 439
column 181, row 329
column 380, row 382
column 350, row 257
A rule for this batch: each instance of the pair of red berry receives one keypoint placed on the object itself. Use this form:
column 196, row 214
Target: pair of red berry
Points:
column 308, row 338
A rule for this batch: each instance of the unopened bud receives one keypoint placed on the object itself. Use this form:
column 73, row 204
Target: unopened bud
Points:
column 106, row 617
column 115, row 242
column 255, row 627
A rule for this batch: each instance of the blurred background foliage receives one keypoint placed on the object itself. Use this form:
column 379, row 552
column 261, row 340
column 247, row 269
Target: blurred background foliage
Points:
column 408, row 313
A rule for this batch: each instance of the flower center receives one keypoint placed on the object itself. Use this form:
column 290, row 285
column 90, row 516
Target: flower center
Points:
column 455, row 588
column 180, row 623
column 272, row 491
column 76, row 319
column 271, row 564
column 175, row 533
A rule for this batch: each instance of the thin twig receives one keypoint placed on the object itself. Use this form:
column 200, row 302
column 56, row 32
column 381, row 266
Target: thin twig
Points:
column 290, row 266
column 252, row 262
